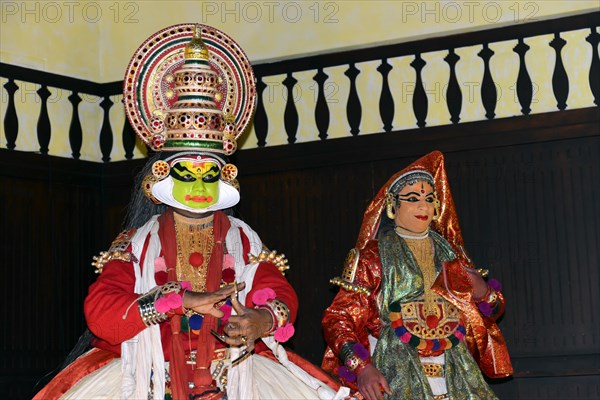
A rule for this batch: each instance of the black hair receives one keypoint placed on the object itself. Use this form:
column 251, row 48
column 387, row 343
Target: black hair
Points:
column 140, row 208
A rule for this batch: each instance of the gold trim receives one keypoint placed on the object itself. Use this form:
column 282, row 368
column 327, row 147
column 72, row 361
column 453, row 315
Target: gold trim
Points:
column 272, row 257
column 433, row 370
column 350, row 265
column 351, row 287
column 117, row 251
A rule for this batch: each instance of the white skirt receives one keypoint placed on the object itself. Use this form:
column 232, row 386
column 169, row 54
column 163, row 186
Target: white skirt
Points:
column 270, row 381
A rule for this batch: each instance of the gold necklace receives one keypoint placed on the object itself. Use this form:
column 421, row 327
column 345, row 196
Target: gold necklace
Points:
column 422, row 250
column 194, row 246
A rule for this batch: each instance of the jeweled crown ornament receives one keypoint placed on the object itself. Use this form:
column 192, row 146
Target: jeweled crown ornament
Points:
column 190, row 87
column 194, row 121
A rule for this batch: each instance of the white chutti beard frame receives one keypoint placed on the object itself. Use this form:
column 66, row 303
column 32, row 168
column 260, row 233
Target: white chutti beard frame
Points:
column 228, row 196
column 163, row 190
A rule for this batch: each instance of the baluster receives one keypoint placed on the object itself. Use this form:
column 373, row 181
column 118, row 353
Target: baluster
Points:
column 11, row 121
column 353, row 108
column 524, row 85
column 593, row 38
column 106, row 134
column 386, row 101
column 75, row 132
column 128, row 136
column 43, row 126
column 560, row 80
column 261, row 123
column 321, row 108
column 420, row 103
column 290, row 116
column 488, row 87
column 453, row 93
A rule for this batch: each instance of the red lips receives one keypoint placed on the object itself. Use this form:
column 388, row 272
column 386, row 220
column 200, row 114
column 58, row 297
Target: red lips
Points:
column 422, row 217
column 199, row 199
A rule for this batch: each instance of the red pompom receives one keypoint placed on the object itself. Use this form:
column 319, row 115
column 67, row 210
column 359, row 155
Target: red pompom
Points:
column 228, row 275
column 196, row 259
column 161, row 277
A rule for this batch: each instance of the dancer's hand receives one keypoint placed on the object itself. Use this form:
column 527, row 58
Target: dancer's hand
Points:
column 372, row 384
column 247, row 326
column 480, row 286
column 204, row 302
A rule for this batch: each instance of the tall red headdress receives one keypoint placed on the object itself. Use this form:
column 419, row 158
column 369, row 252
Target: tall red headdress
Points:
column 447, row 225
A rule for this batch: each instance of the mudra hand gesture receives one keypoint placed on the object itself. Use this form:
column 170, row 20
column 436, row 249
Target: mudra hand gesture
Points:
column 247, row 326
column 204, row 302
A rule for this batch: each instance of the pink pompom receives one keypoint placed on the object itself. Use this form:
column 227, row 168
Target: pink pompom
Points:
column 186, row 285
column 261, row 296
column 406, row 337
column 228, row 261
column 162, row 305
column 174, row 300
column 226, row 308
column 284, row 333
column 459, row 335
column 160, row 264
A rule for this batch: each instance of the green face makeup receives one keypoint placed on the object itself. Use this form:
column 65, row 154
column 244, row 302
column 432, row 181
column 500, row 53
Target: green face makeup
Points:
column 196, row 184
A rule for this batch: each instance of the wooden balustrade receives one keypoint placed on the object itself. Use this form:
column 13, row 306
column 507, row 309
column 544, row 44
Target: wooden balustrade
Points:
column 354, row 106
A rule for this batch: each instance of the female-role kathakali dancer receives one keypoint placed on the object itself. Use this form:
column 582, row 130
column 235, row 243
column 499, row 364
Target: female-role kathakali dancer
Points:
column 413, row 318
column 188, row 303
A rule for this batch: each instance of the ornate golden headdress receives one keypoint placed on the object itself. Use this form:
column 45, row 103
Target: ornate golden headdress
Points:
column 190, row 91
column 190, row 87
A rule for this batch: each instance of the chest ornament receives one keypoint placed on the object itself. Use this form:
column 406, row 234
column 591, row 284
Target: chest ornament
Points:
column 415, row 326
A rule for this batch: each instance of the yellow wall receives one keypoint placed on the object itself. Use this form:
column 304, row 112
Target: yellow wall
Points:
column 94, row 40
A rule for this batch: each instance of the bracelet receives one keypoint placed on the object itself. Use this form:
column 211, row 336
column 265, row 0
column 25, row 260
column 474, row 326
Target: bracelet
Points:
column 488, row 304
column 282, row 329
column 354, row 357
column 146, row 304
column 279, row 310
column 155, row 305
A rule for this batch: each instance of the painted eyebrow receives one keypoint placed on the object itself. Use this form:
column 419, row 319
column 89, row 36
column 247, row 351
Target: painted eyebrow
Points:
column 408, row 194
column 414, row 193
column 180, row 169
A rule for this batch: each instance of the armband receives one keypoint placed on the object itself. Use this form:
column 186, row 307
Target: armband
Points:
column 117, row 251
column 346, row 280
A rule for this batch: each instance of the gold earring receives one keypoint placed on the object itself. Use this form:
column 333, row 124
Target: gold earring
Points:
column 436, row 213
column 160, row 169
column 147, row 183
column 390, row 208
